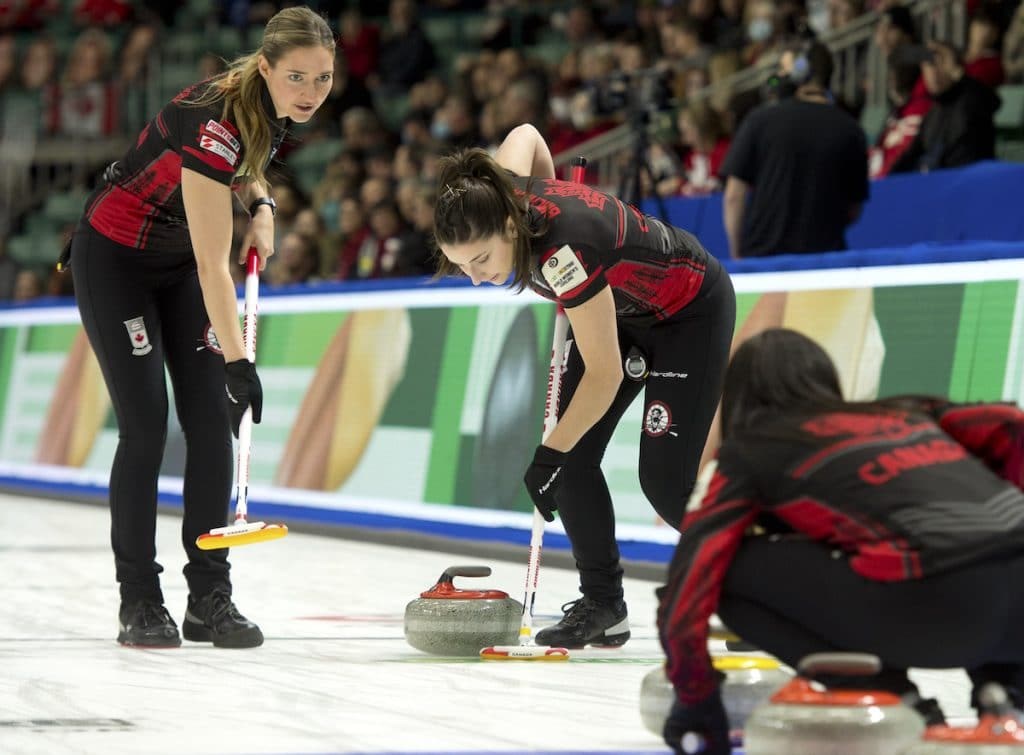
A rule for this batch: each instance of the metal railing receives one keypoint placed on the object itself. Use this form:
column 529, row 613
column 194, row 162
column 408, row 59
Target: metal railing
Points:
column 856, row 60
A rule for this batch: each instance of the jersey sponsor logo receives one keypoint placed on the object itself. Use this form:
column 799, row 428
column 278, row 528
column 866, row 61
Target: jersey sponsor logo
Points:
column 677, row 375
column 213, row 128
column 547, row 208
column 590, row 197
column 892, row 463
column 563, row 271
column 657, row 419
column 891, row 425
column 138, row 336
column 219, row 148
column 209, row 340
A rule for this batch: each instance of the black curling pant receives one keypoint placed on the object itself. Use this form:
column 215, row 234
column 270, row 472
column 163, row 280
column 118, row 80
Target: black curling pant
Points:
column 115, row 285
column 792, row 597
column 687, row 356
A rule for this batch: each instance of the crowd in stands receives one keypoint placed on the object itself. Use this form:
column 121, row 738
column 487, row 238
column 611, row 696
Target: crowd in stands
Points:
column 366, row 212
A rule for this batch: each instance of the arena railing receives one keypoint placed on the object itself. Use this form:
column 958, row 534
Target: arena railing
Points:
column 609, row 154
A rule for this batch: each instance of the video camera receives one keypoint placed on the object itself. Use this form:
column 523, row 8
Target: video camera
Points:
column 643, row 91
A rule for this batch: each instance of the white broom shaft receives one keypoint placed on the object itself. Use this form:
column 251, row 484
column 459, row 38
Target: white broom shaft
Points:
column 579, row 165
column 550, row 420
column 252, row 290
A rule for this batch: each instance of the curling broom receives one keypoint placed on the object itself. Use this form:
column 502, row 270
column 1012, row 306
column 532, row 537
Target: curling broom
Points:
column 242, row 531
column 526, row 650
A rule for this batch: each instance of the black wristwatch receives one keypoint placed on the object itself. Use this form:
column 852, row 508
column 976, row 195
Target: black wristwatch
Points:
column 268, row 201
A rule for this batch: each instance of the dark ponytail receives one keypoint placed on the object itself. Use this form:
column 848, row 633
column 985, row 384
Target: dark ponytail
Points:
column 476, row 199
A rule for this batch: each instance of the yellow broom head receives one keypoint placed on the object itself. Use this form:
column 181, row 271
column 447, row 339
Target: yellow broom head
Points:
column 240, row 533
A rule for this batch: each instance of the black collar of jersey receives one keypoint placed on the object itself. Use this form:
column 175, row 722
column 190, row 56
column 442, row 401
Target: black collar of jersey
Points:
column 278, row 124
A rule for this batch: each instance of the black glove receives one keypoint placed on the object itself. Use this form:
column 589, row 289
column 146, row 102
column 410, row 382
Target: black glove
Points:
column 542, row 479
column 244, row 390
column 706, row 721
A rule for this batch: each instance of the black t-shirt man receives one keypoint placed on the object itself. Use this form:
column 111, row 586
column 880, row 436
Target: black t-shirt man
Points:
column 804, row 163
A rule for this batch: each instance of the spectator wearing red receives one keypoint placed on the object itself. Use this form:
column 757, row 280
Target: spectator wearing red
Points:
column 704, row 138
column 959, row 129
column 360, row 44
column 24, row 15
column 982, row 59
column 910, row 103
column 357, row 256
column 106, row 13
column 83, row 103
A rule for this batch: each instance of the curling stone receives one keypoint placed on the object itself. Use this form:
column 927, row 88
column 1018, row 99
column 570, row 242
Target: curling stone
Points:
column 803, row 718
column 999, row 731
column 445, row 620
column 749, row 681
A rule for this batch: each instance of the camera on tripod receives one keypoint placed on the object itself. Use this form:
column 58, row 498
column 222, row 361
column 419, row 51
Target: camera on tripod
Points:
column 643, row 91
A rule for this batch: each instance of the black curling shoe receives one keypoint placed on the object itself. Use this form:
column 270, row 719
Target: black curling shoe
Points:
column 214, row 618
column 588, row 622
column 146, row 623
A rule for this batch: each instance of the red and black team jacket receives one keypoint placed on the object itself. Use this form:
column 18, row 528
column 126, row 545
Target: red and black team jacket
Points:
column 904, row 494
column 142, row 207
column 592, row 240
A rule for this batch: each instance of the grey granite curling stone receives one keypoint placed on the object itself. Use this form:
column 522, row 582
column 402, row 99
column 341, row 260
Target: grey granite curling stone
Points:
column 446, row 620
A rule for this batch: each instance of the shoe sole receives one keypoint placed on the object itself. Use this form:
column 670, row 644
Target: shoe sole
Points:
column 150, row 644
column 614, row 637
column 247, row 638
column 611, row 641
column 604, row 641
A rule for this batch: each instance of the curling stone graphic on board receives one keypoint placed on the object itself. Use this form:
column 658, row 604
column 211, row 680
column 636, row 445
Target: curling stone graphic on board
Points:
column 749, row 681
column 805, row 718
column 999, row 730
column 446, row 620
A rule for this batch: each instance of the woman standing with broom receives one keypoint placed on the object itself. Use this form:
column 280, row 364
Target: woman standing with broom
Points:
column 153, row 284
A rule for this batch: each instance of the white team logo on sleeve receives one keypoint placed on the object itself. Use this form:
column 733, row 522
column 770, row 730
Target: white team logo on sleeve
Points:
column 138, row 336
column 218, row 147
column 563, row 271
column 216, row 129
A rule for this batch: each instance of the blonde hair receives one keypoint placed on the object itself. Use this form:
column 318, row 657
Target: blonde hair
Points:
column 241, row 85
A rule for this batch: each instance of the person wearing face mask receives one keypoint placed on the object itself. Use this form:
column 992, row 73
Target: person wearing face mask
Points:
column 959, row 129
column 151, row 261
column 454, row 123
column 650, row 310
column 759, row 18
column 797, row 170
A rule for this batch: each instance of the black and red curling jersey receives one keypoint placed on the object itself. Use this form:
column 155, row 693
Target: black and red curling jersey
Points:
column 901, row 495
column 143, row 207
column 592, row 240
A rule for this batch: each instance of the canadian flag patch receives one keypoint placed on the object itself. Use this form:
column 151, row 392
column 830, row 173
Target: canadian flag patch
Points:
column 138, row 336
